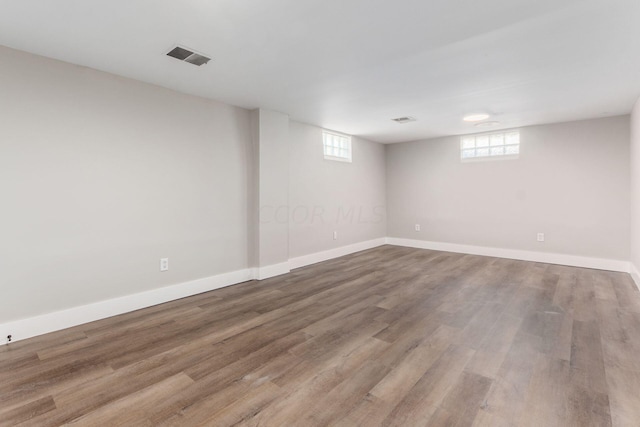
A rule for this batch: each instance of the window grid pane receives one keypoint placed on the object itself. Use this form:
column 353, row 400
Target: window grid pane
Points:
column 468, row 142
column 493, row 145
column 336, row 147
column 497, row 139
column 482, row 141
column 483, row 152
column 467, row 154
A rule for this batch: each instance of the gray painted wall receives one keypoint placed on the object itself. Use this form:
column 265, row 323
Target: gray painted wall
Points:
column 635, row 186
column 272, row 152
column 571, row 182
column 101, row 176
column 327, row 196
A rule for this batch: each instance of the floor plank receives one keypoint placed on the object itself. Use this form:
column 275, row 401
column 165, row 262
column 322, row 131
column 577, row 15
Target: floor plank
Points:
column 388, row 336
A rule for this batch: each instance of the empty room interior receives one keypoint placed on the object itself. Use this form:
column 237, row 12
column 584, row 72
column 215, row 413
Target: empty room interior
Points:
column 320, row 213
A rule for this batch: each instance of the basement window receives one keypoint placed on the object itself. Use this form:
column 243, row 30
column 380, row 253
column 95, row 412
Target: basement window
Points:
column 505, row 145
column 336, row 146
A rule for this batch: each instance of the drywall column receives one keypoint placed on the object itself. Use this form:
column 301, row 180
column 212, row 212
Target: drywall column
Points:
column 635, row 193
column 271, row 193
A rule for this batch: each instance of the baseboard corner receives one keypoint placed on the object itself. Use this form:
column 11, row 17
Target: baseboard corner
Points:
column 269, row 271
column 314, row 258
column 635, row 274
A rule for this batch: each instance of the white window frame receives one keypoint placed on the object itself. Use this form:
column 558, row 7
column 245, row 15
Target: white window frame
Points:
column 328, row 148
column 491, row 144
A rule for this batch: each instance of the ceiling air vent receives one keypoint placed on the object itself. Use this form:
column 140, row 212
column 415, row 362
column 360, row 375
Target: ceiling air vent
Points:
column 189, row 56
column 403, row 120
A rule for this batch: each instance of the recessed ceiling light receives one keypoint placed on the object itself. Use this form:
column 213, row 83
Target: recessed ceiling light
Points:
column 403, row 120
column 475, row 117
column 487, row 124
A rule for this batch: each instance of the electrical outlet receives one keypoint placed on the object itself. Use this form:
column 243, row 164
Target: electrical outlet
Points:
column 540, row 237
column 417, row 227
column 164, row 264
column 9, row 338
column 335, row 235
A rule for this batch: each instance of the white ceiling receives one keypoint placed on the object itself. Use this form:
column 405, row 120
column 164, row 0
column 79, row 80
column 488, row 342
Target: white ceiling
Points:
column 353, row 65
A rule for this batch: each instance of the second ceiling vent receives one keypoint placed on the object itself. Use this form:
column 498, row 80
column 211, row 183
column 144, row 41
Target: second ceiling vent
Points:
column 189, row 56
column 403, row 120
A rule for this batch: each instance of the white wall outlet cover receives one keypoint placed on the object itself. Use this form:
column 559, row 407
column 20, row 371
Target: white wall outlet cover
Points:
column 417, row 227
column 540, row 237
column 164, row 264
column 335, row 235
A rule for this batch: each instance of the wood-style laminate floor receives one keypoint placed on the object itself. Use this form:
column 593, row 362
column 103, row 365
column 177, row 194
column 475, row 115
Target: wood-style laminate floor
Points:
column 388, row 336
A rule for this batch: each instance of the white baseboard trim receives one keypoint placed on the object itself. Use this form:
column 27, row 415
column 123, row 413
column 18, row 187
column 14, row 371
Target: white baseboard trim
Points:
column 317, row 257
column 635, row 274
column 50, row 322
column 548, row 258
column 261, row 273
